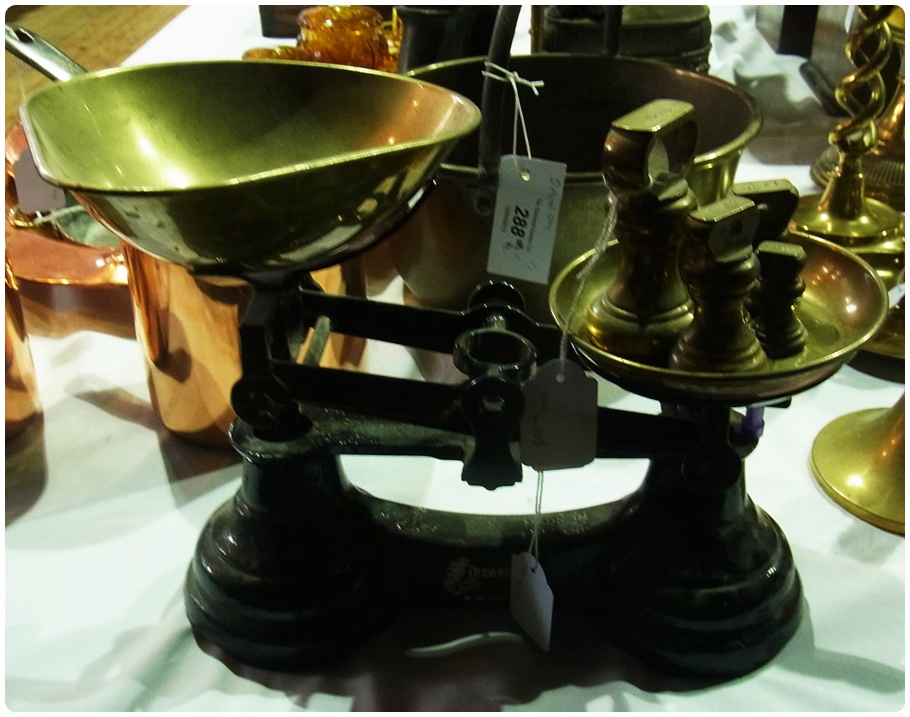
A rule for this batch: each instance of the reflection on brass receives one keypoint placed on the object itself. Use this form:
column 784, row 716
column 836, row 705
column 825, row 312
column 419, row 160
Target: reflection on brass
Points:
column 22, row 403
column 441, row 251
column 230, row 167
column 843, row 306
column 883, row 165
column 889, row 341
column 187, row 328
column 647, row 154
column 720, row 270
column 859, row 461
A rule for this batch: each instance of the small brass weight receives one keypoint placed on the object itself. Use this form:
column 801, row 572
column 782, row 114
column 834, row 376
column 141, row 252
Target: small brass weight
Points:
column 721, row 269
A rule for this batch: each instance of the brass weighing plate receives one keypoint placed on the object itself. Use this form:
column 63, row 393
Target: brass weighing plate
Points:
column 233, row 167
column 843, row 306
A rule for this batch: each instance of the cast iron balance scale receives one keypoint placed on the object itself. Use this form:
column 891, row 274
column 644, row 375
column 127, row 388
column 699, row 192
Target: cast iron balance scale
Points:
column 686, row 572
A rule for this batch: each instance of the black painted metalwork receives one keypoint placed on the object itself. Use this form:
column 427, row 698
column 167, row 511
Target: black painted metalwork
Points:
column 300, row 566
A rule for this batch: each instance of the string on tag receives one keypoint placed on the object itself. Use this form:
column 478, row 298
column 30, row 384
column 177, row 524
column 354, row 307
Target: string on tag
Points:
column 606, row 234
column 538, row 515
column 514, row 79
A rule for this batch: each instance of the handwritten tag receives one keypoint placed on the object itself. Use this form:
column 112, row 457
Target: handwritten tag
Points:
column 531, row 599
column 559, row 423
column 36, row 196
column 525, row 219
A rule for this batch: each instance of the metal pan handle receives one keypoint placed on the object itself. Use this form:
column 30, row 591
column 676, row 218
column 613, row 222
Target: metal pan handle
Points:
column 40, row 55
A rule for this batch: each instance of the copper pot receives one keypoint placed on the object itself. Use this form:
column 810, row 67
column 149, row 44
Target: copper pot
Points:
column 22, row 403
column 187, row 327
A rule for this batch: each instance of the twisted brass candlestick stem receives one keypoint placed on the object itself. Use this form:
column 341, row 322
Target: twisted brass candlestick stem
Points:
column 883, row 165
column 844, row 214
column 856, row 134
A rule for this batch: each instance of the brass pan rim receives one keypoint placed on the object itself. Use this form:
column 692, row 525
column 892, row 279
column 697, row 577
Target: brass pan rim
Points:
column 783, row 378
column 458, row 129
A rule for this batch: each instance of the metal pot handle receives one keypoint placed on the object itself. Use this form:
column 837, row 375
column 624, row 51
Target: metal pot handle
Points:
column 39, row 54
column 493, row 97
column 491, row 104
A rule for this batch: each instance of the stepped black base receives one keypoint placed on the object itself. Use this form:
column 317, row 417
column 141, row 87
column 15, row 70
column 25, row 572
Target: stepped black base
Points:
column 685, row 573
column 694, row 584
column 289, row 574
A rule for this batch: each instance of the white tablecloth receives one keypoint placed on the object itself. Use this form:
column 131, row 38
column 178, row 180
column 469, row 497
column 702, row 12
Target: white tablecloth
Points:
column 104, row 508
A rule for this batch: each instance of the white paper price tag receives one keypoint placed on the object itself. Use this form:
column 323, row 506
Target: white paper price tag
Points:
column 36, row 196
column 531, row 599
column 525, row 219
column 559, row 423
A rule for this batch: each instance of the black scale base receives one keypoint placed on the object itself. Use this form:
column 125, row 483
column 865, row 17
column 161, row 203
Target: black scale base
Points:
column 299, row 567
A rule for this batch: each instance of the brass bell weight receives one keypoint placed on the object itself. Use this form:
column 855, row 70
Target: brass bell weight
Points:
column 720, row 269
column 701, row 289
column 646, row 156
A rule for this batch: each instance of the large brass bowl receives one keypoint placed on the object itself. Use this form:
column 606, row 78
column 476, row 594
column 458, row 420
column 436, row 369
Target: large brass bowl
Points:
column 843, row 306
column 233, row 167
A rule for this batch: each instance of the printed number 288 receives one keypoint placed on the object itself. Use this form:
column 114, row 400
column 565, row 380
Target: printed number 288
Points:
column 519, row 221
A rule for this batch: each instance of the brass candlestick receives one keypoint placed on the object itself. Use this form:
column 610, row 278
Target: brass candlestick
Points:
column 843, row 213
column 883, row 165
column 858, row 459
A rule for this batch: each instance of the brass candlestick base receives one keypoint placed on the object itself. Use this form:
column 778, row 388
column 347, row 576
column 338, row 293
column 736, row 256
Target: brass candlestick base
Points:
column 858, row 460
column 867, row 226
column 883, row 165
column 845, row 213
column 884, row 176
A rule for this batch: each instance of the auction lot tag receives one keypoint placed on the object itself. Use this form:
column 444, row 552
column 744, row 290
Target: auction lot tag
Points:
column 525, row 218
column 559, row 423
column 531, row 599
column 36, row 196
